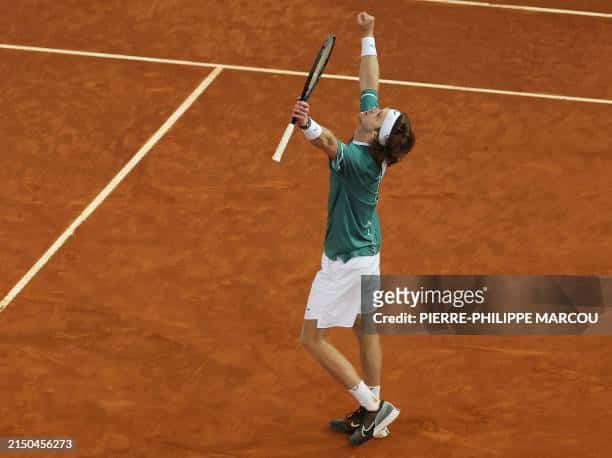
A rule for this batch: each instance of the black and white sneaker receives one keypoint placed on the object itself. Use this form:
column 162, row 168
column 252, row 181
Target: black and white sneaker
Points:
column 348, row 424
column 374, row 423
column 352, row 421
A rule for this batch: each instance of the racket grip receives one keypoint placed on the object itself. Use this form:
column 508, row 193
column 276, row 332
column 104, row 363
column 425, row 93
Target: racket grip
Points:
column 280, row 149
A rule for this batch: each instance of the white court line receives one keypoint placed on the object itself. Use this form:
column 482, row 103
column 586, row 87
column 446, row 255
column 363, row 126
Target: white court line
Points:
column 276, row 71
column 534, row 9
column 110, row 187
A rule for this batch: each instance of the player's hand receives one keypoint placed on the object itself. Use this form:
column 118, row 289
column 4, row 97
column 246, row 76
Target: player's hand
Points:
column 366, row 23
column 301, row 112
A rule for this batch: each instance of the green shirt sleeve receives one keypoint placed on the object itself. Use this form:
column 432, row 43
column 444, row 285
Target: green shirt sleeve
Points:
column 368, row 100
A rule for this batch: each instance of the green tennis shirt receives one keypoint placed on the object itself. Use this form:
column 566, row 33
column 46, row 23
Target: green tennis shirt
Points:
column 353, row 227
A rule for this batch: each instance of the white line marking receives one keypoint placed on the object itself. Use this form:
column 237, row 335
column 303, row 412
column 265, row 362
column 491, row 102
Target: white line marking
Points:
column 535, row 9
column 276, row 71
column 110, row 187
column 535, row 95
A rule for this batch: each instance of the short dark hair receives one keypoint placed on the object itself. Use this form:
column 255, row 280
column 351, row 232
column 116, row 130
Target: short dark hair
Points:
column 400, row 142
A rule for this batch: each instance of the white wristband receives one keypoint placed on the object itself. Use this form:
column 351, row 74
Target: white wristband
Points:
column 368, row 46
column 313, row 131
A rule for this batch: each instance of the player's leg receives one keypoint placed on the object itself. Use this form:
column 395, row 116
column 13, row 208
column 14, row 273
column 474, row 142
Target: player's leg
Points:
column 335, row 363
column 370, row 353
column 334, row 301
column 326, row 308
column 365, row 329
column 371, row 364
column 373, row 423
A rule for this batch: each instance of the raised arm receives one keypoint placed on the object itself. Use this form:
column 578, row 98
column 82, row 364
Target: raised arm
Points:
column 368, row 68
column 319, row 136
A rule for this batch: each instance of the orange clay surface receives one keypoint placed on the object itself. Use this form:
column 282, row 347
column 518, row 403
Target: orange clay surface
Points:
column 167, row 326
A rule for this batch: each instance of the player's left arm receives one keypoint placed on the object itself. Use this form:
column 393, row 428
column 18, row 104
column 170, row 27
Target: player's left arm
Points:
column 369, row 71
column 319, row 136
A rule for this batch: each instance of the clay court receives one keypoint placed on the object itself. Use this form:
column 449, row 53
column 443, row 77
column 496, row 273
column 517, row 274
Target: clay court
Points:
column 167, row 325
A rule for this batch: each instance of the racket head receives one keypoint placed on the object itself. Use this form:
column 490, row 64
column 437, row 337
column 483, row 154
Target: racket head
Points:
column 318, row 66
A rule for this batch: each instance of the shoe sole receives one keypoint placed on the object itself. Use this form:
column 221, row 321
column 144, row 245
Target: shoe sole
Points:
column 379, row 435
column 382, row 434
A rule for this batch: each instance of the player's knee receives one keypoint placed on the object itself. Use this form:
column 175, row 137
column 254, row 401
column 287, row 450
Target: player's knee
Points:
column 311, row 341
column 365, row 328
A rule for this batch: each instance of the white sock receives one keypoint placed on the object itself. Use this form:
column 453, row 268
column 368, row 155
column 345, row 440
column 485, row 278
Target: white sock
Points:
column 364, row 396
column 375, row 390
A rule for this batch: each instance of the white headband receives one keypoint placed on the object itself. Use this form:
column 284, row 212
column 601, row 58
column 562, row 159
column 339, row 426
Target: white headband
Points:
column 387, row 125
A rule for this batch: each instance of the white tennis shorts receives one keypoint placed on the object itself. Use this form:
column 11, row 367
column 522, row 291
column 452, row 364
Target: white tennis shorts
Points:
column 335, row 295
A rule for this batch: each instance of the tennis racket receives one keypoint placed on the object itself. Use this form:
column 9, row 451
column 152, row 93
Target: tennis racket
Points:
column 313, row 78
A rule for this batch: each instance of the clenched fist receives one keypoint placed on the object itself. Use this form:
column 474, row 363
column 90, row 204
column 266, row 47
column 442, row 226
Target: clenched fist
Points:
column 366, row 23
column 301, row 112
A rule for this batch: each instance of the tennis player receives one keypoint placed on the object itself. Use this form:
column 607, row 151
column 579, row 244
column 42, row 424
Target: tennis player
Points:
column 352, row 241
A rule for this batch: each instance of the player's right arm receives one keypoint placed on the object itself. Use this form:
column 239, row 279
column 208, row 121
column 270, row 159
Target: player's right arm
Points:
column 318, row 136
column 369, row 72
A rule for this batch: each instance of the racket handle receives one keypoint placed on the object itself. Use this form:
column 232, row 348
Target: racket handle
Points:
column 280, row 149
